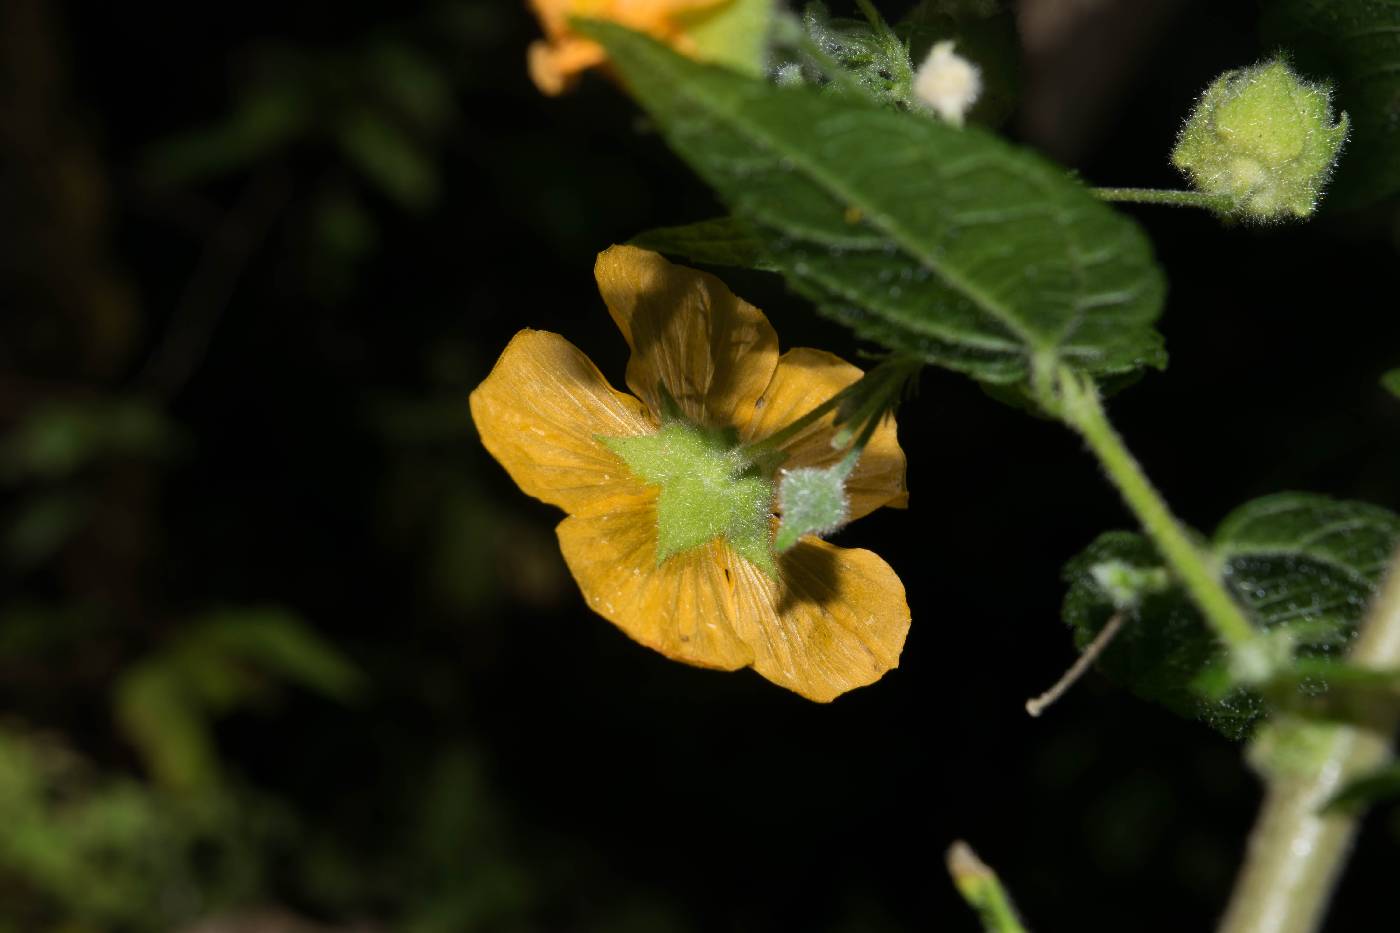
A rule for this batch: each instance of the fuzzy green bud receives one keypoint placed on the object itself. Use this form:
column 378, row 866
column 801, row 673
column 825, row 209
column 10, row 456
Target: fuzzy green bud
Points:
column 813, row 501
column 1264, row 140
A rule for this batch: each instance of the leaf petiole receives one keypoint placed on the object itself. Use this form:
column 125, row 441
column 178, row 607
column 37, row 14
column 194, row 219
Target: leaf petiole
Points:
column 1078, row 405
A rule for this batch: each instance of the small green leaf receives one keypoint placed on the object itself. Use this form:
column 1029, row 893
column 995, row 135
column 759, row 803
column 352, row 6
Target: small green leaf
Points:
column 723, row 241
column 156, row 713
column 1391, row 382
column 1380, row 785
column 1357, row 44
column 946, row 243
column 276, row 642
column 1305, row 566
column 1164, row 646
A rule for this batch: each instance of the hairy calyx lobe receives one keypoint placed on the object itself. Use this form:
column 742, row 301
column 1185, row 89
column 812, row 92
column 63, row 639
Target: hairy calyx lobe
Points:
column 708, row 489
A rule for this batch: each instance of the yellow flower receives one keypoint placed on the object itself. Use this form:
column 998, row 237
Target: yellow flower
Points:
column 694, row 583
column 557, row 60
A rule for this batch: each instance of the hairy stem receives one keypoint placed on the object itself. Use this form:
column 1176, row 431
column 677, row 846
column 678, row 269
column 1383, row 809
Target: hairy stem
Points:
column 1297, row 852
column 1166, row 196
column 873, row 16
column 1080, row 407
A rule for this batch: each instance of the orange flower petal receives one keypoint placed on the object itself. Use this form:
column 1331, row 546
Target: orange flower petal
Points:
column 804, row 379
column 714, row 352
column 836, row 621
column 555, row 66
column 556, row 63
column 680, row 608
column 538, row 413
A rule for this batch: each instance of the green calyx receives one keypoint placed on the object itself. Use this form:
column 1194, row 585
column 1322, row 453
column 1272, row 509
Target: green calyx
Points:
column 709, row 489
column 1263, row 139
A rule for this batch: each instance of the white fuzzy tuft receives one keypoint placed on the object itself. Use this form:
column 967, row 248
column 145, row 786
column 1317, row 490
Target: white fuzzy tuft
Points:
column 948, row 83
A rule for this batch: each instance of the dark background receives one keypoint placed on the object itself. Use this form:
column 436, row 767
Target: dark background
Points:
column 303, row 320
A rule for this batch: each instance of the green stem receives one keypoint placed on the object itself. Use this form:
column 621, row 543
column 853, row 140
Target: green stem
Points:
column 1212, row 202
column 873, row 15
column 848, row 463
column 1080, row 407
column 1297, row 850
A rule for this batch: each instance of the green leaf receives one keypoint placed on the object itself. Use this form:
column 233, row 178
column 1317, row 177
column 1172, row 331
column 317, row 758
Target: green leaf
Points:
column 1357, row 44
column 276, row 642
column 156, row 713
column 1391, row 382
column 1305, row 566
column 946, row 243
column 1380, row 785
column 723, row 241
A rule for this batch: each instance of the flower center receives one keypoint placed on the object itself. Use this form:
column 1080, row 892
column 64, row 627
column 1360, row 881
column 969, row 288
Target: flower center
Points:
column 708, row 490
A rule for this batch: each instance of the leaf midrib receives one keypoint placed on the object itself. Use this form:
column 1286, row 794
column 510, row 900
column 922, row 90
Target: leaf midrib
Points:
column 896, row 232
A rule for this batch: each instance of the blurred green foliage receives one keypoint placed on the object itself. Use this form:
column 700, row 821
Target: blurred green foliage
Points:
column 166, row 703
column 88, row 851
column 126, row 662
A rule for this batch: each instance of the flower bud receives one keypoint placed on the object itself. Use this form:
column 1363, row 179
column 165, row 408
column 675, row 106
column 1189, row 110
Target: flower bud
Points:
column 1264, row 139
column 813, row 501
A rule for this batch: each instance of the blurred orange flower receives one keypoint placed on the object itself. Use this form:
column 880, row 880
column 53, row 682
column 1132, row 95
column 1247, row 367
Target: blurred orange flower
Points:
column 557, row 60
column 706, row 373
